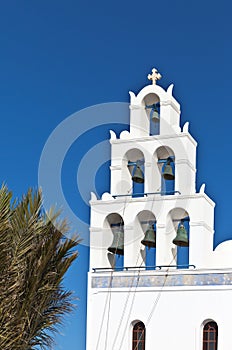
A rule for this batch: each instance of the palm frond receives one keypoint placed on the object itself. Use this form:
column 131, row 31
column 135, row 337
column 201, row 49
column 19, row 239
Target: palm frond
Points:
column 34, row 257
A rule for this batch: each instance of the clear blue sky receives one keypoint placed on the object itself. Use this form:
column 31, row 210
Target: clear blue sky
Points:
column 58, row 57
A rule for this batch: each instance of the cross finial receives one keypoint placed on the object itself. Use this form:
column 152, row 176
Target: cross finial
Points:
column 154, row 76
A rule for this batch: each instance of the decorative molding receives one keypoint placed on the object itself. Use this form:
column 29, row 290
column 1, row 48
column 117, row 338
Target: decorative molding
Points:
column 95, row 229
column 113, row 135
column 157, row 137
column 93, row 196
column 202, row 189
column 170, row 89
column 125, row 135
column 136, row 107
column 158, row 197
column 170, row 103
column 160, row 226
column 186, row 127
column 185, row 161
column 163, row 280
column 106, row 196
column 202, row 224
column 115, row 167
column 132, row 95
column 128, row 228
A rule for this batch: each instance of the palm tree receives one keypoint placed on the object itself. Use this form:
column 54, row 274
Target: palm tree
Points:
column 34, row 257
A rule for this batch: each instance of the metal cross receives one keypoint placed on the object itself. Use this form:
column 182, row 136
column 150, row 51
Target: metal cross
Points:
column 154, row 76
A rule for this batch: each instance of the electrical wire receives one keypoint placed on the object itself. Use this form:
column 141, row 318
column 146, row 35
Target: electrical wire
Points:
column 125, row 304
column 108, row 316
column 104, row 311
column 159, row 294
column 131, row 306
column 156, row 301
column 110, row 287
column 129, row 292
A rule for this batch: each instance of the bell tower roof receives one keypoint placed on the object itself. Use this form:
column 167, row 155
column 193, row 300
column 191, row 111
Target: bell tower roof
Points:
column 153, row 99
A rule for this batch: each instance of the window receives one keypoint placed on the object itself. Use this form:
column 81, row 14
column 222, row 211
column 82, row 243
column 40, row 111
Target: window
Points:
column 138, row 336
column 210, row 335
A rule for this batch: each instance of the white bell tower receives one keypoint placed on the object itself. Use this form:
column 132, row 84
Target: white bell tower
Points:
column 154, row 279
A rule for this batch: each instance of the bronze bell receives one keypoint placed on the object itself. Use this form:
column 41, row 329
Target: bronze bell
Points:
column 117, row 247
column 168, row 172
column 149, row 239
column 138, row 175
column 181, row 238
column 155, row 116
column 130, row 166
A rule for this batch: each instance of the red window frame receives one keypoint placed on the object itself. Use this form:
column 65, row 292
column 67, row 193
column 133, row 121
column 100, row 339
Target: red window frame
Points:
column 138, row 339
column 210, row 336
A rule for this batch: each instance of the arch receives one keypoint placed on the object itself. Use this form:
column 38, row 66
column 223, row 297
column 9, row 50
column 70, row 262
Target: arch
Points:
column 147, row 227
column 210, row 335
column 164, row 156
column 156, row 89
column 134, row 161
column 112, row 218
column 114, row 226
column 177, row 228
column 151, row 103
column 138, row 336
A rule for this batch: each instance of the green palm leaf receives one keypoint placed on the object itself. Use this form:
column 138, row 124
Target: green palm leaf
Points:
column 34, row 257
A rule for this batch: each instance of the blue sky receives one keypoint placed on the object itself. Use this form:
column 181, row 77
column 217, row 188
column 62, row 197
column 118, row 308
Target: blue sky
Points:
column 58, row 57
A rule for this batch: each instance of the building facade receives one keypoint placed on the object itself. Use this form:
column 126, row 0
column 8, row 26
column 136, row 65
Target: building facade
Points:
column 155, row 281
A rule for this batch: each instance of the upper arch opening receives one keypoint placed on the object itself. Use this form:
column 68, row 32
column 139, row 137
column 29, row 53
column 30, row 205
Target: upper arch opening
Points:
column 151, row 103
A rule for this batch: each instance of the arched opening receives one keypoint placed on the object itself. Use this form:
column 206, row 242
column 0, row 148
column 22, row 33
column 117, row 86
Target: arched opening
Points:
column 166, row 164
column 152, row 107
column 147, row 223
column 138, row 336
column 114, row 222
column 178, row 231
column 135, row 167
column 210, row 336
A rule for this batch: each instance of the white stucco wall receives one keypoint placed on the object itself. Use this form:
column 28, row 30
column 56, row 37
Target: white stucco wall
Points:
column 173, row 315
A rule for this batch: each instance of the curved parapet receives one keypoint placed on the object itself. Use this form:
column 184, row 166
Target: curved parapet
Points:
column 93, row 197
column 132, row 97
column 186, row 127
column 106, row 196
column 125, row 135
column 202, row 189
column 112, row 135
column 170, row 89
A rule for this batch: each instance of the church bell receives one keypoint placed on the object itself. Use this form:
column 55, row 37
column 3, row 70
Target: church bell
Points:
column 149, row 239
column 138, row 175
column 130, row 167
column 155, row 116
column 168, row 172
column 181, row 238
column 117, row 246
